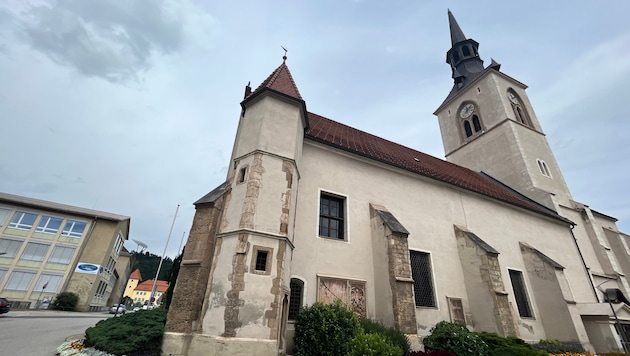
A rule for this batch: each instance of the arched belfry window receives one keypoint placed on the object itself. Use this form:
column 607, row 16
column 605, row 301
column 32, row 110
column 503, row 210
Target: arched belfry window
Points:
column 542, row 165
column 520, row 114
column 471, row 123
column 466, row 51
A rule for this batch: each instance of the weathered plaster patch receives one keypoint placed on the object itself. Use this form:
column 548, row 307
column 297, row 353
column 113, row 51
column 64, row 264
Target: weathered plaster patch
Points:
column 217, row 297
column 254, row 183
column 234, row 303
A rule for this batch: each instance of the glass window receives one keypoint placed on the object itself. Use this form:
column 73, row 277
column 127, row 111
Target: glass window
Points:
column 3, row 273
column 74, row 228
column 61, row 254
column 22, row 220
column 10, row 247
column 520, row 294
column 3, row 215
column 20, row 280
column 49, row 224
column 295, row 303
column 34, row 251
column 331, row 214
column 48, row 282
column 422, row 279
column 261, row 261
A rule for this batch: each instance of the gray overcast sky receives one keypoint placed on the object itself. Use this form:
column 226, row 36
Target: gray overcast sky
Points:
column 131, row 106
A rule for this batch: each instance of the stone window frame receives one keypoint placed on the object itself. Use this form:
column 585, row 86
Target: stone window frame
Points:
column 242, row 174
column 432, row 275
column 452, row 310
column 302, row 297
column 520, row 112
column 528, row 312
column 544, row 169
column 474, row 122
column 344, row 221
column 255, row 251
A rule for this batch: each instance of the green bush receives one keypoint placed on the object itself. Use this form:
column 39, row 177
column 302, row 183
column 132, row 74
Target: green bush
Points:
column 65, row 301
column 133, row 332
column 324, row 330
column 556, row 347
column 372, row 345
column 393, row 336
column 508, row 346
column 456, row 338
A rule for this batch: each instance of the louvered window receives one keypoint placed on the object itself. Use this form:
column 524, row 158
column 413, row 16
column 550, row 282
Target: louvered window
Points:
column 422, row 279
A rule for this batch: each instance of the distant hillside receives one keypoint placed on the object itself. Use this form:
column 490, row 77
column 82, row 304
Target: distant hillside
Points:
column 148, row 264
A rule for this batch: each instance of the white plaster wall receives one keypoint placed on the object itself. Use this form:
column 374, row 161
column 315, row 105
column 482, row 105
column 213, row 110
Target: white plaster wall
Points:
column 428, row 209
column 213, row 320
column 270, row 124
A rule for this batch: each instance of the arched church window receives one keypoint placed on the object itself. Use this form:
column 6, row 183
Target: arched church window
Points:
column 476, row 123
column 295, row 303
column 467, row 128
column 519, row 111
column 542, row 165
column 471, row 123
column 466, row 51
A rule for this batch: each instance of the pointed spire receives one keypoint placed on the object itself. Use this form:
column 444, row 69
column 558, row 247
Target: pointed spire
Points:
column 281, row 81
column 457, row 35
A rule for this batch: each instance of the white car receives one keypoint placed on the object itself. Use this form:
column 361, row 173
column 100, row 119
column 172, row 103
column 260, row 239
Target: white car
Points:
column 121, row 309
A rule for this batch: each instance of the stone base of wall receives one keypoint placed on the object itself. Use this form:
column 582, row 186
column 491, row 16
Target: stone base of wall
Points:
column 180, row 344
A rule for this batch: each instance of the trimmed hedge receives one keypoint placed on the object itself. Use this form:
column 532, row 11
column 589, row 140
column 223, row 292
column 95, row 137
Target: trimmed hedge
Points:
column 456, row 338
column 323, row 329
column 129, row 334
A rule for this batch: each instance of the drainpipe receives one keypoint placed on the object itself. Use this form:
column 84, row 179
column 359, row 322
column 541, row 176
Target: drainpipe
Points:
column 588, row 274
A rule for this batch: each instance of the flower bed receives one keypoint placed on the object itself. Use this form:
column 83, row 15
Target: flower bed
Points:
column 76, row 348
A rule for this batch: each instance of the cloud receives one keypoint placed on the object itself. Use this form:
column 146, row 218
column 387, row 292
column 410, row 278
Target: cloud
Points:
column 114, row 40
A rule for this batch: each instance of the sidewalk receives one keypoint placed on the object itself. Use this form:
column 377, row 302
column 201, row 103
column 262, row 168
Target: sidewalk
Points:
column 34, row 313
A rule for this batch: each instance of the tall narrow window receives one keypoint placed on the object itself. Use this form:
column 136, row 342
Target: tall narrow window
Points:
column 542, row 165
column 295, row 304
column 520, row 294
column 519, row 111
column 331, row 217
column 467, row 128
column 261, row 261
column 422, row 279
column 476, row 123
column 242, row 175
column 470, row 120
column 22, row 220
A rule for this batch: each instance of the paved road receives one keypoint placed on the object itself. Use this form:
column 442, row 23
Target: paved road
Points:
column 38, row 333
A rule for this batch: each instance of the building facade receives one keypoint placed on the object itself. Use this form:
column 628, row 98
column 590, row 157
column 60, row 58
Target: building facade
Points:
column 491, row 237
column 47, row 248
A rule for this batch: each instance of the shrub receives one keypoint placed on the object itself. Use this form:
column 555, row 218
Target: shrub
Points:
column 393, row 336
column 431, row 353
column 324, row 330
column 128, row 334
column 372, row 345
column 508, row 346
column 456, row 338
column 553, row 346
column 65, row 301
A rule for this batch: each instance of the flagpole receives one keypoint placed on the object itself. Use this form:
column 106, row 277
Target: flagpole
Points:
column 162, row 258
column 181, row 242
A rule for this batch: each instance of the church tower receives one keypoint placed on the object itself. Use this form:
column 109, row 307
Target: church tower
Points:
column 489, row 125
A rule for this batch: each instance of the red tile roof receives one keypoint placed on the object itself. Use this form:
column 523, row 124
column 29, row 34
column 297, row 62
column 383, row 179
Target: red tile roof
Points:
column 281, row 81
column 161, row 286
column 136, row 275
column 364, row 144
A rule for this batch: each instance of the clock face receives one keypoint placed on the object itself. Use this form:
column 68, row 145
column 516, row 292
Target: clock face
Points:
column 512, row 98
column 467, row 111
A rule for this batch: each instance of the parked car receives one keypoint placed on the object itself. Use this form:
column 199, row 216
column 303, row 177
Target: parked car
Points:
column 5, row 306
column 121, row 309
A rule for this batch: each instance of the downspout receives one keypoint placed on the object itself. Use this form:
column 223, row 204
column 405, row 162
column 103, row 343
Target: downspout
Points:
column 81, row 249
column 588, row 274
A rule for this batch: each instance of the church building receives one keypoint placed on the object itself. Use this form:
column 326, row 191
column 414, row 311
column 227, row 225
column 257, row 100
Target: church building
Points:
column 313, row 210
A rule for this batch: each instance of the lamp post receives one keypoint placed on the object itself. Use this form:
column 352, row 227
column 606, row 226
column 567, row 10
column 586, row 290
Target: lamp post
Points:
column 622, row 336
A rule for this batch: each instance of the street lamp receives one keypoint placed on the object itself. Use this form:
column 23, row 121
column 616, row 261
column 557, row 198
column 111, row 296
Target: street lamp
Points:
column 614, row 295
